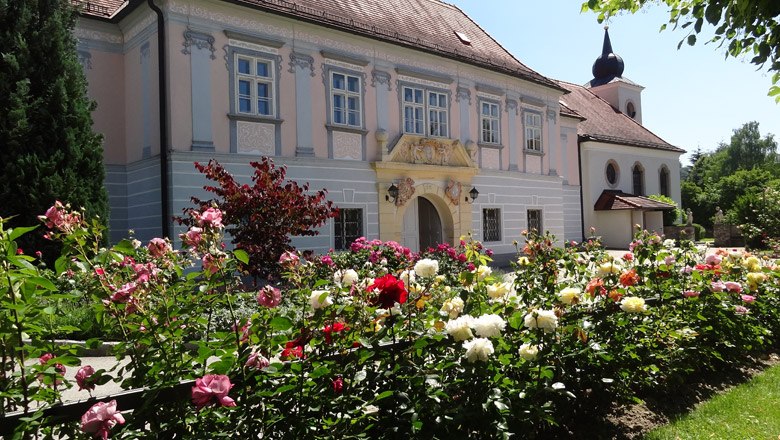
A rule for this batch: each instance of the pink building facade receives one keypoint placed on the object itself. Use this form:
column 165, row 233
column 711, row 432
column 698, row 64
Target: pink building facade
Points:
column 351, row 99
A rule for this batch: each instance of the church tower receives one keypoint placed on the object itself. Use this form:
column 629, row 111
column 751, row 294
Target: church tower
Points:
column 610, row 85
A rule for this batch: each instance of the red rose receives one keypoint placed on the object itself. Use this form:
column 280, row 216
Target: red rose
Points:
column 338, row 385
column 391, row 291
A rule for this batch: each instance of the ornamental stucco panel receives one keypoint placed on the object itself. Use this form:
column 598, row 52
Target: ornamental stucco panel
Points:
column 255, row 138
column 347, row 146
column 491, row 158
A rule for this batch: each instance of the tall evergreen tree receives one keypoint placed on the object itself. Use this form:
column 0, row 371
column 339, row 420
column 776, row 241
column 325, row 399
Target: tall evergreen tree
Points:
column 49, row 151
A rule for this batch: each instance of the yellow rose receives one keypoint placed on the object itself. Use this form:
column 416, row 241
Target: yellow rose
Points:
column 523, row 261
column 752, row 264
column 633, row 304
column 497, row 290
column 755, row 278
column 608, row 268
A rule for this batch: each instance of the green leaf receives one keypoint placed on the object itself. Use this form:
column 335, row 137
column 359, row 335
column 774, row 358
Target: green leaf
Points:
column 281, row 323
column 18, row 232
column 241, row 256
column 42, row 282
column 691, row 40
column 124, row 247
column 383, row 395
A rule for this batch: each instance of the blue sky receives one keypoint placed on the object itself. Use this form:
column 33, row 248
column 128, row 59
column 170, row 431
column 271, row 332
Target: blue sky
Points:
column 693, row 97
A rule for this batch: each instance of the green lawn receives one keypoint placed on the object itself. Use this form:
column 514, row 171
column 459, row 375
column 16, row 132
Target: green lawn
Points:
column 749, row 411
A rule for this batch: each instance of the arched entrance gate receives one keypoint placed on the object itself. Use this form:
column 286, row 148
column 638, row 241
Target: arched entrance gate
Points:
column 432, row 176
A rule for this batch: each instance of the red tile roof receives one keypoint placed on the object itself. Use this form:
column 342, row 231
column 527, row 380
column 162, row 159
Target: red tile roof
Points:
column 99, row 8
column 612, row 200
column 427, row 25
column 605, row 123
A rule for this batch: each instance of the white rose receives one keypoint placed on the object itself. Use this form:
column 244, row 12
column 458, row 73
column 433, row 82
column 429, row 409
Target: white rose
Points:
column 488, row 326
column 529, row 352
column 498, row 290
column 633, row 304
column 460, row 328
column 320, row 299
column 569, row 295
column 478, row 349
column 426, row 267
column 345, row 277
column 453, row 307
column 544, row 319
column 669, row 243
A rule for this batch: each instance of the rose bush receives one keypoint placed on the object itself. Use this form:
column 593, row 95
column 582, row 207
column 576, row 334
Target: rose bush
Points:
column 379, row 341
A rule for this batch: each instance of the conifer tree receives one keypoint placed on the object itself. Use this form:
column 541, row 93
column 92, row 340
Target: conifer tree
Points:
column 48, row 149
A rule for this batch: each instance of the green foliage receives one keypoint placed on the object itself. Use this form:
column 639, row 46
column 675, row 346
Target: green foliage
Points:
column 671, row 216
column 758, row 215
column 49, row 150
column 746, row 27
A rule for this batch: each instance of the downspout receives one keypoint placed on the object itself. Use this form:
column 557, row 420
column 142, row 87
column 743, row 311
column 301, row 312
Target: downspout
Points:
column 164, row 197
column 582, row 206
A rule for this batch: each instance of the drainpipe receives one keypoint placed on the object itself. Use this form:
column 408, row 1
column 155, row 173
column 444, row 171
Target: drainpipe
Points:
column 164, row 198
column 582, row 205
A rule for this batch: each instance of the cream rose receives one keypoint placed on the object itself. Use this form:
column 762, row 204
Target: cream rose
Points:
column 498, row 290
column 345, row 277
column 478, row 349
column 320, row 299
column 426, row 267
column 483, row 272
column 489, row 326
column 633, row 304
column 569, row 295
column 529, row 352
column 460, row 328
column 543, row 319
column 608, row 268
column 453, row 307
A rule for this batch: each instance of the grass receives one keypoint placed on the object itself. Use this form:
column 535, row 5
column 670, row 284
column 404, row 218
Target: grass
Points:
column 748, row 411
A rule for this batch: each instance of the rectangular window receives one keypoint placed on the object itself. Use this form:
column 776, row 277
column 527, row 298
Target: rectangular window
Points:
column 535, row 220
column 348, row 227
column 254, row 86
column 490, row 122
column 425, row 117
column 491, row 224
column 346, row 99
column 533, row 131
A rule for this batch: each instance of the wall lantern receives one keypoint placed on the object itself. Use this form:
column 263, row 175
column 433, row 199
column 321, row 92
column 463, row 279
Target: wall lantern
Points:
column 473, row 194
column 392, row 193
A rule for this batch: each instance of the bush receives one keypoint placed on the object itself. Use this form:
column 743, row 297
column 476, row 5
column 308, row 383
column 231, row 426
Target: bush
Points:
column 700, row 232
column 378, row 341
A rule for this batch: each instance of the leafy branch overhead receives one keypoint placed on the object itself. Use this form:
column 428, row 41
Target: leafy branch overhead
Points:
column 749, row 28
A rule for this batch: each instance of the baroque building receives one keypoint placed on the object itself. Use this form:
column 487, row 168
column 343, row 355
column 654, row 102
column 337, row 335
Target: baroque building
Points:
column 421, row 127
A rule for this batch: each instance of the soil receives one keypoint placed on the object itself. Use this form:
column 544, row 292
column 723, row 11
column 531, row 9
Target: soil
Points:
column 632, row 422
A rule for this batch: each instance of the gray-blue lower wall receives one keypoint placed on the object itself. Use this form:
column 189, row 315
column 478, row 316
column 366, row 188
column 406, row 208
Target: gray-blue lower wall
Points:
column 134, row 198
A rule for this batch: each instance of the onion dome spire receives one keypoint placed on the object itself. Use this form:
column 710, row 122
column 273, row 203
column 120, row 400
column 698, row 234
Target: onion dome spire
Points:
column 608, row 65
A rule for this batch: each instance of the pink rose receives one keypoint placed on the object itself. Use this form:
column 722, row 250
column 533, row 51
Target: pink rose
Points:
column 99, row 419
column 718, row 286
column 289, row 259
column 628, row 256
column 193, row 237
column 741, row 310
column 713, row 259
column 748, row 298
column 82, row 377
column 669, row 260
column 691, row 294
column 123, row 294
column 58, row 217
column 212, row 389
column 210, row 264
column 327, row 260
column 257, row 361
column 269, row 296
column 211, row 217
column 158, row 247
column 733, row 286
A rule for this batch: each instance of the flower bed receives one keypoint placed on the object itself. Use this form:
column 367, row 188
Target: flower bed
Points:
column 378, row 341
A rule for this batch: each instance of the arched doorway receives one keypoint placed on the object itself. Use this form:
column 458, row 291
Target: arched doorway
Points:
column 422, row 227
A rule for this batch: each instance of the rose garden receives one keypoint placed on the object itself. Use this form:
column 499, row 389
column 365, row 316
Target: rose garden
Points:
column 372, row 342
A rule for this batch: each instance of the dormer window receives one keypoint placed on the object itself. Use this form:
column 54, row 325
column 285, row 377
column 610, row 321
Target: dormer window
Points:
column 463, row 38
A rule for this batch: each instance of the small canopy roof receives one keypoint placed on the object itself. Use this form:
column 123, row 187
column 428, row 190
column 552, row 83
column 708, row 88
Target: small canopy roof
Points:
column 614, row 200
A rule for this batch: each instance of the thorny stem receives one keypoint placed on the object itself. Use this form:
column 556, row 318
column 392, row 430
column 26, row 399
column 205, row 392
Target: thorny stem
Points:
column 20, row 350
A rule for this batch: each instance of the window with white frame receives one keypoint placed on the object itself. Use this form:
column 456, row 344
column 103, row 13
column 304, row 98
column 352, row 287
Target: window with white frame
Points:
column 348, row 227
column 491, row 224
column 535, row 220
column 346, row 96
column 490, row 117
column 425, row 112
column 533, row 131
column 254, row 89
